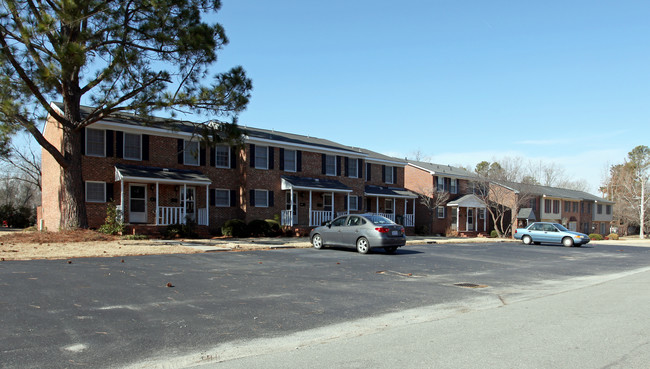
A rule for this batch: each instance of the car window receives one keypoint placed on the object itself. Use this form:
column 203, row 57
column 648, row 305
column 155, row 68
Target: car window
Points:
column 339, row 222
column 549, row 228
column 378, row 219
column 561, row 227
column 354, row 221
column 536, row 227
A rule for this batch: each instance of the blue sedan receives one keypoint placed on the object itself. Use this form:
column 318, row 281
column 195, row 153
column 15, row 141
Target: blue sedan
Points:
column 543, row 232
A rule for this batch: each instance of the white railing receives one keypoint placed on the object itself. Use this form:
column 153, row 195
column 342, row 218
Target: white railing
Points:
column 170, row 215
column 202, row 217
column 320, row 216
column 386, row 215
column 339, row 213
column 409, row 220
column 286, row 218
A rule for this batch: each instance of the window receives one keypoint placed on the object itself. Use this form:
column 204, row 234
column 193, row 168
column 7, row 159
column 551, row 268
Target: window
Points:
column 454, row 218
column 132, row 146
column 567, row 206
column 547, row 206
column 481, row 213
column 454, row 185
column 222, row 198
column 608, row 209
column 388, row 206
column 441, row 212
column 95, row 142
column 532, row 204
column 262, row 157
column 599, row 208
column 575, row 207
column 339, row 222
column 261, row 198
column 354, row 221
column 388, row 175
column 354, row 202
column 353, row 168
column 440, row 184
column 191, row 153
column 330, row 165
column 95, row 191
column 327, row 202
column 222, row 157
column 290, row 160
column 556, row 206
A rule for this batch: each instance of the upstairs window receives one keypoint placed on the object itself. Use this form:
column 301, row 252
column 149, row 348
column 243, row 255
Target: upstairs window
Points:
column 191, row 153
column 353, row 168
column 290, row 160
column 440, row 185
column 222, row 157
column 330, row 165
column 95, row 142
column 547, row 205
column 556, row 206
column 608, row 209
column 132, row 146
column 388, row 175
column 599, row 208
column 454, row 186
column 262, row 157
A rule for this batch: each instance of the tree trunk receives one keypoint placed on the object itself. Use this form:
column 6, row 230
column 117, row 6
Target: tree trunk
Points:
column 73, row 202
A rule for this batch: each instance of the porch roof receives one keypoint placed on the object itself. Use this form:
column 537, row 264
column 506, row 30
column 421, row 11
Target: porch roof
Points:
column 467, row 201
column 145, row 174
column 313, row 184
column 394, row 192
column 526, row 213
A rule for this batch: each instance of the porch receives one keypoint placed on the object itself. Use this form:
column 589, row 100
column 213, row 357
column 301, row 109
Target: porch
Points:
column 322, row 194
column 384, row 201
column 469, row 216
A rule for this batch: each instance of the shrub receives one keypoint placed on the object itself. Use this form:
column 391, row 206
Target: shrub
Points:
column 612, row 236
column 234, row 228
column 494, row 234
column 17, row 217
column 258, row 227
column 595, row 237
column 136, row 237
column 274, row 227
column 187, row 230
column 113, row 221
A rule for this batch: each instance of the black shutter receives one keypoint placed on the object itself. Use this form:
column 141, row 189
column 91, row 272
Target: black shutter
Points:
column 202, row 160
column 271, row 156
column 179, row 145
column 360, row 203
column 271, row 202
column 109, row 192
column 213, row 153
column 281, row 165
column 347, row 167
column 368, row 171
column 252, row 197
column 233, row 157
column 345, row 202
column 213, row 197
column 360, row 168
column 447, row 184
column 252, row 161
column 145, row 147
column 324, row 162
column 83, row 141
column 338, row 165
column 119, row 144
column 233, row 198
column 299, row 161
column 383, row 173
column 109, row 142
column 394, row 174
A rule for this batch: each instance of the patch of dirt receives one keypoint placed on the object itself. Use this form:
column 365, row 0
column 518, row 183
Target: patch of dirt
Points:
column 26, row 245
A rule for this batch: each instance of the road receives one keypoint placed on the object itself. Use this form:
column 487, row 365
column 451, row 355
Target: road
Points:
column 109, row 313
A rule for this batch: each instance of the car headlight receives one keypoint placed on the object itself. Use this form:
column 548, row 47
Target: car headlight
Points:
column 578, row 237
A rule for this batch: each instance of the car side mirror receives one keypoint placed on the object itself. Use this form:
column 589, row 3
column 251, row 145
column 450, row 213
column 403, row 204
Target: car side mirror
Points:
column 328, row 224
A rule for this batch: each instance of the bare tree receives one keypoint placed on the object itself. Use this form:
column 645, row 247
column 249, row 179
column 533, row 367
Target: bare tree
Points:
column 24, row 165
column 431, row 197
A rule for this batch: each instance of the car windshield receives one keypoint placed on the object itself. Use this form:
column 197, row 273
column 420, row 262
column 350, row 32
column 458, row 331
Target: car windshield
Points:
column 378, row 219
column 560, row 227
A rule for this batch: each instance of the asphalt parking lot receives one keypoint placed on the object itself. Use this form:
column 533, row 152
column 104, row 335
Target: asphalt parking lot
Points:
column 116, row 312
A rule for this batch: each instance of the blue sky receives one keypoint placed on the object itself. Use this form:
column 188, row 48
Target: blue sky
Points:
column 566, row 82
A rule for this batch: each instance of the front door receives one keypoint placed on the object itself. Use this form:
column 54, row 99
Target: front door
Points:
column 190, row 202
column 137, row 203
column 470, row 219
column 295, row 205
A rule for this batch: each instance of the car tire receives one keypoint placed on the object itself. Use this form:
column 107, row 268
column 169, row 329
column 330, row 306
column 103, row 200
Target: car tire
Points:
column 527, row 240
column 567, row 242
column 362, row 245
column 317, row 241
column 390, row 249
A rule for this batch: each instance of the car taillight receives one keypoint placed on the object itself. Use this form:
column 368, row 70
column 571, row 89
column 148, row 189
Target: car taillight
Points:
column 382, row 229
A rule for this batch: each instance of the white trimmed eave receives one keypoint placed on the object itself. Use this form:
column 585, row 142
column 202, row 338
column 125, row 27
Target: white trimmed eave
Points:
column 443, row 174
column 390, row 196
column 286, row 185
column 120, row 177
column 312, row 148
column 385, row 161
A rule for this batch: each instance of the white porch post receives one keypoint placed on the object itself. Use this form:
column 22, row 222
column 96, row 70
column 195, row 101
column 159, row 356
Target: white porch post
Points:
column 458, row 219
column 184, row 212
column 310, row 208
column 122, row 199
column 413, row 212
column 348, row 206
column 394, row 203
column 405, row 201
column 291, row 209
column 207, row 205
column 484, row 220
column 333, row 206
column 377, row 207
column 157, row 210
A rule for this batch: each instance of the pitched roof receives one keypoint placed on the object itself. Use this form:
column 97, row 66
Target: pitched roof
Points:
column 467, row 201
column 396, row 192
column 557, row 192
column 317, row 184
column 443, row 170
column 163, row 175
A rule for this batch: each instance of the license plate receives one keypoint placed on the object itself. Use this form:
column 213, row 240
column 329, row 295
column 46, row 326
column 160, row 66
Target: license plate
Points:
column 395, row 233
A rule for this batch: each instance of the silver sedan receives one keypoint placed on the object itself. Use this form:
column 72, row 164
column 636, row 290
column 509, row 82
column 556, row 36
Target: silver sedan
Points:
column 363, row 231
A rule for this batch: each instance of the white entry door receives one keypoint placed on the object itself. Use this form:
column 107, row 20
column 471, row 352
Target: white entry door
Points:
column 295, row 205
column 137, row 203
column 190, row 202
column 470, row 219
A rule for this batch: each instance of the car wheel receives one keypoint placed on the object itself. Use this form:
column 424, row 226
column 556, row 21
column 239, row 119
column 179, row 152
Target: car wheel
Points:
column 362, row 245
column 390, row 249
column 317, row 241
column 567, row 241
column 527, row 240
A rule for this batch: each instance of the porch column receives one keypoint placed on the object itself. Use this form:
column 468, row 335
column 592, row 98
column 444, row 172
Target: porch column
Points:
column 413, row 212
column 310, row 208
column 122, row 199
column 405, row 202
column 291, row 209
column 458, row 218
column 348, row 206
column 184, row 210
column 333, row 213
column 377, row 207
column 157, row 210
column 394, row 203
column 484, row 220
column 207, row 205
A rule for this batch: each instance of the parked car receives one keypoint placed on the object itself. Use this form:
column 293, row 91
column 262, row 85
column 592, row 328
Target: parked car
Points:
column 543, row 232
column 363, row 231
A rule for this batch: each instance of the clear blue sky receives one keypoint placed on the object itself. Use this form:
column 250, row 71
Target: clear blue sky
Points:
column 463, row 81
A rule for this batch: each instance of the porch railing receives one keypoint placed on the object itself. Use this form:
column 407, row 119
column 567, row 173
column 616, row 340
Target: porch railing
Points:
column 170, row 215
column 318, row 217
column 339, row 213
column 409, row 220
column 202, row 216
column 386, row 215
column 286, row 218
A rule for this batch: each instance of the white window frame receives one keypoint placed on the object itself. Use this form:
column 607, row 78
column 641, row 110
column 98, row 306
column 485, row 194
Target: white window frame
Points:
column 388, row 175
column 103, row 184
column 355, row 163
column 216, row 156
column 258, row 162
column 453, row 184
column 353, row 200
column 186, row 152
column 103, row 154
column 481, row 213
column 327, row 202
column 216, row 198
column 327, row 165
column 441, row 209
column 294, row 155
column 258, row 197
column 124, row 155
column 389, row 209
column 440, row 185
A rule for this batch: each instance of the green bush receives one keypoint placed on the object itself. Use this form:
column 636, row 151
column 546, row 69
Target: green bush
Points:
column 274, row 227
column 17, row 217
column 135, row 237
column 494, row 234
column 113, row 221
column 258, row 227
column 187, row 230
column 612, row 236
column 595, row 237
column 234, row 228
